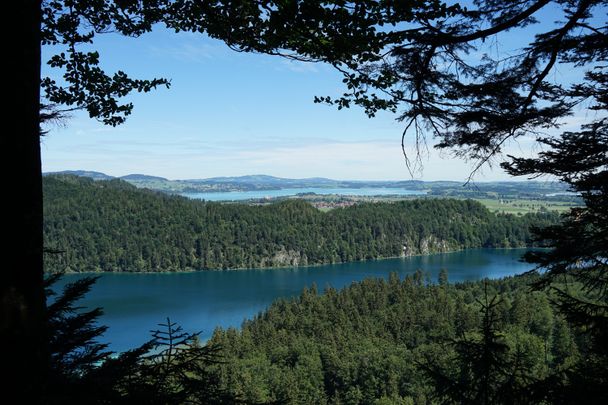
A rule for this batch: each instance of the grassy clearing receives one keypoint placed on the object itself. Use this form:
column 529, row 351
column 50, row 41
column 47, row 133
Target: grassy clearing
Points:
column 516, row 206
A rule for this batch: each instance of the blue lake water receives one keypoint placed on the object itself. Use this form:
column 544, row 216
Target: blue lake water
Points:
column 200, row 301
column 285, row 192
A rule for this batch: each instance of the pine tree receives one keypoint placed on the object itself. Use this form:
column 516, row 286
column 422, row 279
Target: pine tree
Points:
column 484, row 369
column 173, row 367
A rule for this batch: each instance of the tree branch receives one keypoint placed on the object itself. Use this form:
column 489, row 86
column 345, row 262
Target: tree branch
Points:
column 443, row 39
column 582, row 8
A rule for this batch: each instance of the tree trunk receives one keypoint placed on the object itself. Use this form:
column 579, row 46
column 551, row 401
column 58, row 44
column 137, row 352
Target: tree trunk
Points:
column 24, row 342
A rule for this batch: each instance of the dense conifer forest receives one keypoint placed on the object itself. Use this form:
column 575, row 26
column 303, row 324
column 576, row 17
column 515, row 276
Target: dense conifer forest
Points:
column 112, row 226
column 405, row 342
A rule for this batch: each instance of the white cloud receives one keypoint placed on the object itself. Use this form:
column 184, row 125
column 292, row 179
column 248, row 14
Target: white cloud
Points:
column 194, row 51
column 191, row 157
column 297, row 66
column 368, row 160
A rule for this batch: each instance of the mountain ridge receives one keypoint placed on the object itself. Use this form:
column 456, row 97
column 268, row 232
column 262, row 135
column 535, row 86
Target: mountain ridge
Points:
column 264, row 178
column 262, row 182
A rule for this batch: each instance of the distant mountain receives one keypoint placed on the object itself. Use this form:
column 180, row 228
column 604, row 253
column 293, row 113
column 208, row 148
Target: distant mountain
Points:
column 262, row 179
column 257, row 178
column 83, row 173
column 256, row 182
column 142, row 177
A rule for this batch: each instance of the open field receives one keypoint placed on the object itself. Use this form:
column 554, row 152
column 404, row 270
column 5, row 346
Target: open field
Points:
column 517, row 206
column 504, row 205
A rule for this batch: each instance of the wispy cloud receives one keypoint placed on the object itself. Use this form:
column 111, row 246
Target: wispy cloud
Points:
column 195, row 51
column 584, row 116
column 298, row 67
column 195, row 157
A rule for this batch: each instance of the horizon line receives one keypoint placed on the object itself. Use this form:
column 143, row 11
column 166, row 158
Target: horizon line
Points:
column 71, row 171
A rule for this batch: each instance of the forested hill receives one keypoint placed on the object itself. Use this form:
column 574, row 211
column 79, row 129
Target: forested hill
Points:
column 378, row 342
column 113, row 226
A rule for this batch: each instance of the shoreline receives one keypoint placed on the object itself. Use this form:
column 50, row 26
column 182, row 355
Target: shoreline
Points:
column 100, row 273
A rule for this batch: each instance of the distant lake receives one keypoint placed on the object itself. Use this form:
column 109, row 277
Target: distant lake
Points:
column 285, row 192
column 200, row 301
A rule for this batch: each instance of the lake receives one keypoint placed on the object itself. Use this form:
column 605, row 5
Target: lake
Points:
column 200, row 301
column 285, row 192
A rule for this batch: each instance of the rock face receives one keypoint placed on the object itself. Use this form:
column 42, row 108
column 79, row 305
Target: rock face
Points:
column 285, row 257
column 426, row 245
column 431, row 244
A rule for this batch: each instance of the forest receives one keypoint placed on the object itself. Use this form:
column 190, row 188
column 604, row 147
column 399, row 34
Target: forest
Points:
column 96, row 226
column 405, row 341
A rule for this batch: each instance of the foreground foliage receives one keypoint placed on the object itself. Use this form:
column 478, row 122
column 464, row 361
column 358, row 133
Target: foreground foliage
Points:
column 112, row 226
column 172, row 368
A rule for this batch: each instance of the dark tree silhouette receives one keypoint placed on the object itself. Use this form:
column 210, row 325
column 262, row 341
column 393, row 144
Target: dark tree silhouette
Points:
column 580, row 253
column 179, row 372
column 173, row 367
column 64, row 24
column 73, row 346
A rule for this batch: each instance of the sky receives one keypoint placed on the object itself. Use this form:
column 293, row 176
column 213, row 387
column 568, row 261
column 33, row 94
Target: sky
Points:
column 230, row 114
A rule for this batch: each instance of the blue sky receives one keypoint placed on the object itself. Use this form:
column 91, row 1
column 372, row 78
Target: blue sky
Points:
column 230, row 113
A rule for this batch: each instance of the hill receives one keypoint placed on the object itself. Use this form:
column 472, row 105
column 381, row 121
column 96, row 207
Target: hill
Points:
column 142, row 177
column 114, row 226
column 378, row 342
column 532, row 190
column 82, row 173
